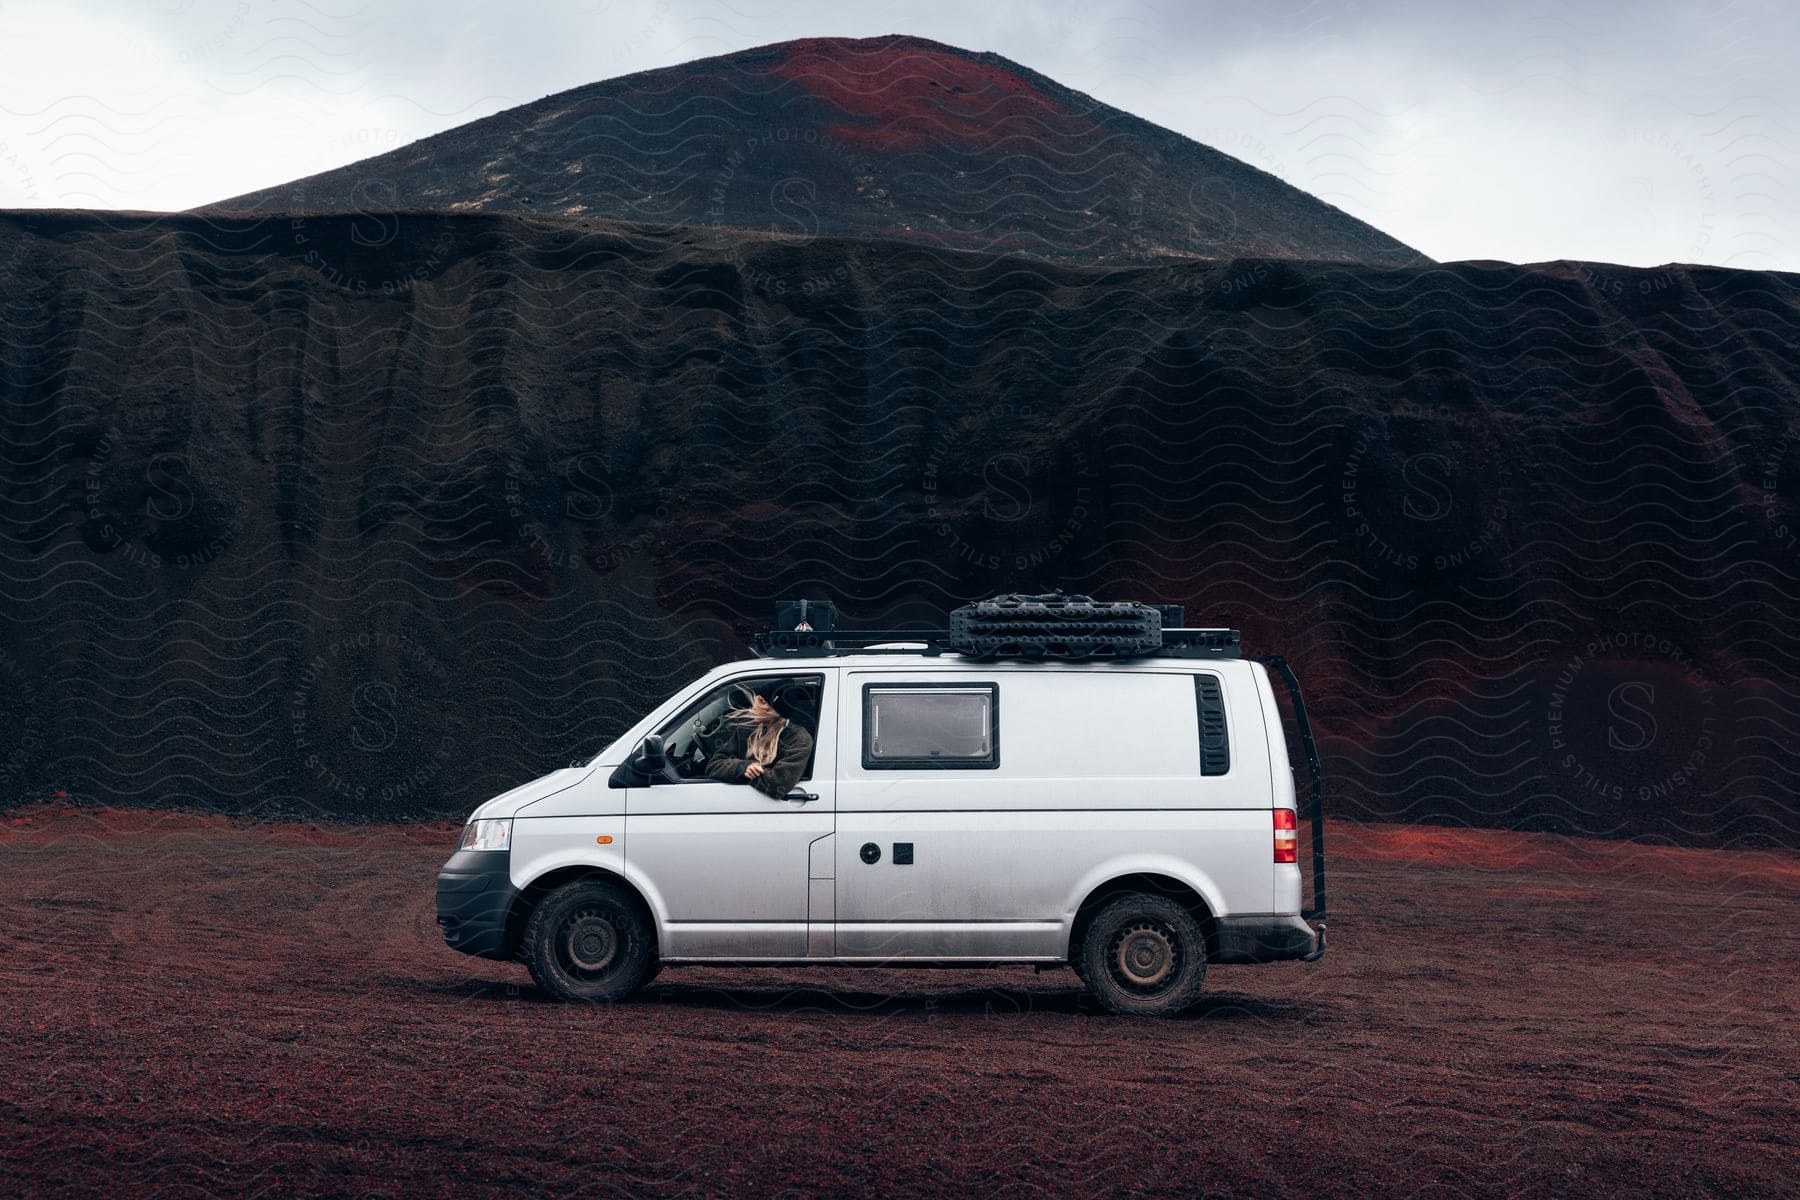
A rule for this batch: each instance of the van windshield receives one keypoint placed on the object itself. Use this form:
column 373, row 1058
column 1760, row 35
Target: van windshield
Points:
column 609, row 743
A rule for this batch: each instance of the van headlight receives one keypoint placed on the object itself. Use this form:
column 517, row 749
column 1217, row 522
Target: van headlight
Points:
column 487, row 835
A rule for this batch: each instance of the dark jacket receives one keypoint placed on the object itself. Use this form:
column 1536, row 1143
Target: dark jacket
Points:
column 780, row 776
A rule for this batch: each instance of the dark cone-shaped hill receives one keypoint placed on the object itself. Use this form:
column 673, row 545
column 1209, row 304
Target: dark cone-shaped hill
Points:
column 892, row 137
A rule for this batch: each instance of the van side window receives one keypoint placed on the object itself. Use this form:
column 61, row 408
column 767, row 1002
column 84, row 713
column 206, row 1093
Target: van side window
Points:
column 1215, row 748
column 913, row 725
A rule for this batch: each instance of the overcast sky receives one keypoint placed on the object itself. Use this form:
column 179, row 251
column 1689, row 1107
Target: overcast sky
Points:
column 1591, row 129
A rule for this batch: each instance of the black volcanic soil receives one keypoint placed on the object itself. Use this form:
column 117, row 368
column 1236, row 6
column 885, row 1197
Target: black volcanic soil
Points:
column 201, row 1007
column 890, row 137
column 379, row 515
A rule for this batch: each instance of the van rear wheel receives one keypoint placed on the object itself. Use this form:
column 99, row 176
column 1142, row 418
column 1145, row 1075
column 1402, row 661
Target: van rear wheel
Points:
column 589, row 941
column 1143, row 954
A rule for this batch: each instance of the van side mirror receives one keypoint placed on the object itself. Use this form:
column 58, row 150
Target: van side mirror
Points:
column 651, row 758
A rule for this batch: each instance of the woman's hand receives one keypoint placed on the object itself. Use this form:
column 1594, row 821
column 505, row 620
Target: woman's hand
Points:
column 753, row 770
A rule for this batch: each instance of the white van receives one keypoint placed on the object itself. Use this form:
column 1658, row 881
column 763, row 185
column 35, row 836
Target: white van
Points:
column 1132, row 818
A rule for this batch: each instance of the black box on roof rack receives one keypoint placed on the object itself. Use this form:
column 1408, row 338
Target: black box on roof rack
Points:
column 820, row 616
column 1202, row 643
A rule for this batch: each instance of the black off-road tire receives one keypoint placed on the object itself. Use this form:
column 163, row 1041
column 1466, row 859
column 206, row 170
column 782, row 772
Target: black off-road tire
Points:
column 589, row 941
column 1143, row 955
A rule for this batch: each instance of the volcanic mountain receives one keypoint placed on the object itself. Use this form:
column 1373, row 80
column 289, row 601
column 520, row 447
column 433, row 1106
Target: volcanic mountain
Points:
column 891, row 137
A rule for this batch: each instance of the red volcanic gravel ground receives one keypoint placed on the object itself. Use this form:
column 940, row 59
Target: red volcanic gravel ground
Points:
column 196, row 1007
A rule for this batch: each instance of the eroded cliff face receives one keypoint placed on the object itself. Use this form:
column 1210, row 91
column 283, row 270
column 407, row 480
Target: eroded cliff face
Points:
column 381, row 514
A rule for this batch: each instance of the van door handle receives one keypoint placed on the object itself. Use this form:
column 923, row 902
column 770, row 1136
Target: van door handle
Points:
column 803, row 797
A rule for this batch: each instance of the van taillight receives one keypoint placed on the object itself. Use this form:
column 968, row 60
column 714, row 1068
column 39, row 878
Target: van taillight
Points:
column 1287, row 836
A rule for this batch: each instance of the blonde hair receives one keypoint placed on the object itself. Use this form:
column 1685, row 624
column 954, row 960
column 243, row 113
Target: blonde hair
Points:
column 765, row 734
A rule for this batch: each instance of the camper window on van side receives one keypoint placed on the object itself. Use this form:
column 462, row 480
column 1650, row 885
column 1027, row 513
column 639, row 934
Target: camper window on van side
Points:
column 916, row 725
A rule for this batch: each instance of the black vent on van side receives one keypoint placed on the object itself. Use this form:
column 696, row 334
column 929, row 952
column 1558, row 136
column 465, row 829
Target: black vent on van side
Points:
column 1215, row 752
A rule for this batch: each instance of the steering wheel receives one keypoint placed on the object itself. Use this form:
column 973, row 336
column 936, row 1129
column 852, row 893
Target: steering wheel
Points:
column 702, row 745
column 708, row 737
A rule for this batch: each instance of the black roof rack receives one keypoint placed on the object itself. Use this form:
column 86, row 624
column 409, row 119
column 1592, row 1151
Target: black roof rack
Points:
column 816, row 635
column 1180, row 642
column 813, row 642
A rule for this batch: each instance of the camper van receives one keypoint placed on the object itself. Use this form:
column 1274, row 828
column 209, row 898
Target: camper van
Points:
column 1122, row 808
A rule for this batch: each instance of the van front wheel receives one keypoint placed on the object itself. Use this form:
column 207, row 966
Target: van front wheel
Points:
column 588, row 941
column 1145, row 955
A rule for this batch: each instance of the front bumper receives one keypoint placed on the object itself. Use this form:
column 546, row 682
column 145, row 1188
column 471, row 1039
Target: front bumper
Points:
column 1267, row 937
column 475, row 898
